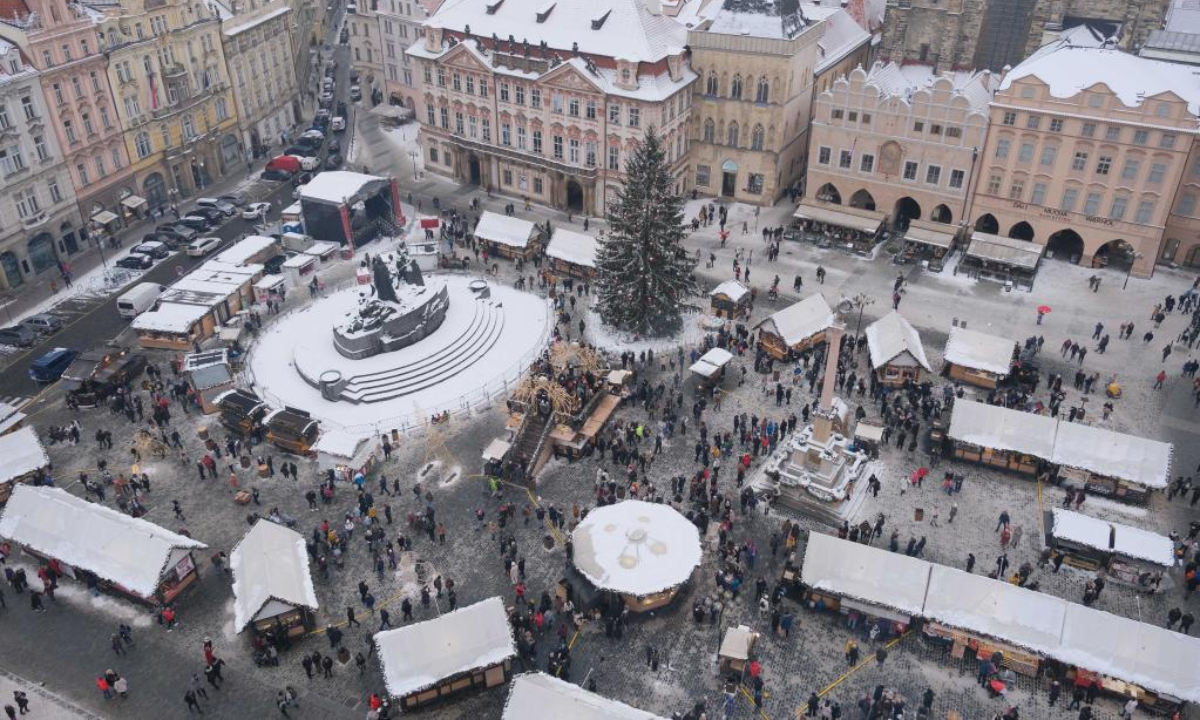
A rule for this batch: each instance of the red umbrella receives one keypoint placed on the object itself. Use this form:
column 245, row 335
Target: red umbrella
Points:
column 1043, row 309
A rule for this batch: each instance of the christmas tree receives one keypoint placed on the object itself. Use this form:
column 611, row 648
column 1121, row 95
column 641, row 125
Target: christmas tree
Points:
column 643, row 272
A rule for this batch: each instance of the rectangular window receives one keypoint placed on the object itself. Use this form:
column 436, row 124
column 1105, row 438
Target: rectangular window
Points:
column 29, row 108
column 755, row 184
column 445, row 117
column 845, row 159
column 824, row 155
column 1033, row 121
column 1069, row 198
column 1130, row 171
column 614, row 163
column 956, row 179
column 1187, row 205
column 1117, row 211
column 556, row 102
column 702, row 175
column 470, row 84
column 428, row 73
column 589, row 154
column 39, row 146
column 1056, row 125
column 933, row 175
column 1016, row 191
column 1144, row 211
column 535, row 101
column 472, row 127
column 935, row 129
column 56, row 195
column 558, row 147
column 504, row 94
column 635, row 117
column 1141, row 137
column 1080, row 161
column 537, row 186
column 866, row 118
column 431, row 115
column 520, row 94
column 1002, row 148
column 993, row 185
column 1025, row 153
column 1038, row 196
column 1049, row 155
column 441, row 77
column 837, row 114
column 5, row 122
column 456, row 81
column 1166, row 141
column 1103, row 164
column 537, row 141
column 458, row 123
column 589, row 110
column 1112, row 133
column 483, row 87
column 433, row 155
column 853, row 116
column 1088, row 130
column 1010, row 118
column 1157, row 172
column 573, row 107
column 953, row 131
column 82, row 171
column 507, row 175
column 521, row 138
column 573, row 151
column 918, row 126
column 910, row 170
column 486, row 124
column 1091, row 205
column 505, row 134
column 866, row 163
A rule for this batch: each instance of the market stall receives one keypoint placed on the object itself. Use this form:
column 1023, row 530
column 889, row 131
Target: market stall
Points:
column 96, row 374
column 250, row 250
column 241, row 411
column 1124, row 553
column 346, row 453
column 736, row 647
column 710, row 368
column 272, row 585
column 796, row 328
column 538, row 696
column 174, row 326
column 508, row 236
column 643, row 552
column 927, row 241
column 300, row 268
column 470, row 648
column 573, row 254
column 730, row 299
column 1006, row 260
column 99, row 546
column 978, row 358
column 270, row 287
column 1000, row 437
column 1109, row 463
column 24, row 460
column 897, row 355
column 853, row 229
column 870, row 584
column 292, row 430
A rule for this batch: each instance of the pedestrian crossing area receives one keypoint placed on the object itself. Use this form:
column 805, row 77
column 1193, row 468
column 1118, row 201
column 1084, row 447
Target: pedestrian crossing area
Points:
column 16, row 402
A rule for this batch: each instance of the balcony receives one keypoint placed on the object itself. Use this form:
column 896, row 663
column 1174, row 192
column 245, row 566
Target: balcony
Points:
column 38, row 218
column 174, row 70
column 527, row 158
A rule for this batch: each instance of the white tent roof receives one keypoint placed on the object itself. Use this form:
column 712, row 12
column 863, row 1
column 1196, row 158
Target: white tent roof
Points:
column 861, row 572
column 1001, row 428
column 171, row 317
column 1161, row 660
column 538, row 696
column 340, row 443
column 891, row 336
column 503, row 229
column 980, row 351
column 336, row 186
column 419, row 656
column 246, row 249
column 575, row 248
column 737, row 643
column 731, row 289
column 1125, row 540
column 636, row 548
column 801, row 321
column 270, row 563
column 22, row 453
column 116, row 547
column 1112, row 454
column 496, row 449
column 1000, row 610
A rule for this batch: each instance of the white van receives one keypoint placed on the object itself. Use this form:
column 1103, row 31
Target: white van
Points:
column 139, row 299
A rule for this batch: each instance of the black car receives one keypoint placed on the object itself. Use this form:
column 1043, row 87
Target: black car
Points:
column 199, row 223
column 172, row 241
column 276, row 175
column 136, row 261
column 274, row 265
column 341, row 108
column 335, row 146
column 213, row 215
column 177, row 232
column 333, row 162
column 20, row 336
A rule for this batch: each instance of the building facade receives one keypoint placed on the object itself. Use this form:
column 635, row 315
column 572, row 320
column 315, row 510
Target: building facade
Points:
column 40, row 225
column 1090, row 152
column 257, row 40
column 167, row 68
column 901, row 140
column 551, row 120
column 399, row 27
column 366, row 48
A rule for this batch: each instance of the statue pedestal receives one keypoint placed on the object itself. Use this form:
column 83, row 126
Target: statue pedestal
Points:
column 813, row 476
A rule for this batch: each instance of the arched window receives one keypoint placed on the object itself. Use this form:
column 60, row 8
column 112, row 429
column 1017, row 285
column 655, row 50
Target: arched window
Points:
column 756, row 138
column 143, row 145
column 735, row 88
column 713, row 85
column 733, row 134
column 763, row 94
column 710, row 131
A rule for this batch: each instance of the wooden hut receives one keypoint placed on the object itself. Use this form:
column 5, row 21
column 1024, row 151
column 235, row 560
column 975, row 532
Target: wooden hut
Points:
column 796, row 328
column 896, row 351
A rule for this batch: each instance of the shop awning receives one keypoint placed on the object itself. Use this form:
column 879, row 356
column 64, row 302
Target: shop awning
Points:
column 104, row 217
column 133, row 202
column 930, row 233
column 1005, row 251
column 867, row 221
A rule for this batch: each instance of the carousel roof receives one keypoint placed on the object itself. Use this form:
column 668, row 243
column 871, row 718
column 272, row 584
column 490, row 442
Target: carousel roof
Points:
column 636, row 548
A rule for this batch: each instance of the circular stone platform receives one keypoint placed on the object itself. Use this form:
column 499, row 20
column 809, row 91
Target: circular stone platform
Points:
column 489, row 335
column 636, row 548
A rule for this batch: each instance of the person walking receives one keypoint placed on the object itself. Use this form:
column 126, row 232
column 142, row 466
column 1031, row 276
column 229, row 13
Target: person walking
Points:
column 193, row 705
column 22, row 701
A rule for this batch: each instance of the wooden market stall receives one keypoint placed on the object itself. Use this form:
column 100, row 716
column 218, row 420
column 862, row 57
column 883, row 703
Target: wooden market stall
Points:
column 210, row 374
column 853, row 229
column 796, row 328
column 1000, row 437
column 929, row 241
column 1124, row 553
column 346, row 454
column 978, row 358
column 573, row 254
column 710, row 368
column 1004, row 259
column 730, row 299
column 241, row 411
column 24, row 460
column 1125, row 467
column 250, row 250
column 470, row 648
column 897, row 355
column 292, row 430
column 507, row 236
column 272, row 586
column 733, row 657
column 100, row 546
column 540, row 696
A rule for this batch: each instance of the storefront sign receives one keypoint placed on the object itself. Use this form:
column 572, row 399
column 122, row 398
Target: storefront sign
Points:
column 184, row 566
column 1108, row 222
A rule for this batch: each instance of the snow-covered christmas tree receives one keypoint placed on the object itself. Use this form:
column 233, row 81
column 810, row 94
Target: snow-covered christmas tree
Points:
column 643, row 272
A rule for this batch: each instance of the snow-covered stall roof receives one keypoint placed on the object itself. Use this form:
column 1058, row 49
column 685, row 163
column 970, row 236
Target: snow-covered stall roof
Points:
column 1153, row 657
column 1000, row 428
column 421, row 655
column 1006, row 251
column 636, row 548
column 891, row 336
column 338, row 187
column 339, row 443
column 861, row 572
column 269, row 563
column 1000, row 610
column 505, row 230
column 243, row 250
column 22, row 453
column 973, row 349
column 496, row 449
column 930, row 233
column 1112, row 454
column 538, row 696
column 171, row 317
column 1107, row 536
column 867, row 221
column 737, row 643
column 711, row 362
column 801, row 321
column 731, row 289
column 116, row 547
column 573, row 247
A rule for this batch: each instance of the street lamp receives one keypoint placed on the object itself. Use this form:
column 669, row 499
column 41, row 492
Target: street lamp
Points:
column 859, row 301
column 1129, row 270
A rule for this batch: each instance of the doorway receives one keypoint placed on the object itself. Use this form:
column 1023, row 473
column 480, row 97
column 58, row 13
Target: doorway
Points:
column 574, row 196
column 729, row 170
column 474, row 170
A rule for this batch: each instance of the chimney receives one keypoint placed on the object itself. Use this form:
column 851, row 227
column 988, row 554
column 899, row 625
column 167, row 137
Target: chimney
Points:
column 985, row 79
column 675, row 63
column 433, row 36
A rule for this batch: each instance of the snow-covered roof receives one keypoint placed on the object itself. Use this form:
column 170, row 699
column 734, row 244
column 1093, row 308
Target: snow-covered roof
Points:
column 337, row 186
column 1113, row 537
column 538, row 696
column 711, row 362
column 496, row 449
column 892, row 336
column 867, row 221
column 1112, row 454
column 1008, row 251
column 801, row 321
column 731, row 289
column 573, row 247
column 973, row 349
column 504, row 229
column 1148, row 655
column 269, row 563
column 241, row 27
column 977, row 603
column 930, row 233
column 339, row 443
column 22, row 454
column 243, row 250
column 904, row 81
column 299, row 260
column 116, row 547
column 737, row 643
column 840, row 36
column 421, row 655
column 10, row 416
column 170, row 317
column 636, row 548
column 1001, row 428
column 1068, row 70
column 865, row 573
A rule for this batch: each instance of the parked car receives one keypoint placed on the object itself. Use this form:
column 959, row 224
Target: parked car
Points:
column 199, row 223
column 203, row 246
column 276, row 175
column 156, row 250
column 338, row 124
column 256, row 211
column 50, row 367
column 274, row 265
column 225, row 208
column 161, row 237
column 355, row 93
column 333, row 162
column 235, row 199
column 310, row 162
column 341, row 108
column 213, row 215
column 136, row 261
column 181, row 233
column 335, row 146
column 326, row 98
column 43, row 323
column 21, row 336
